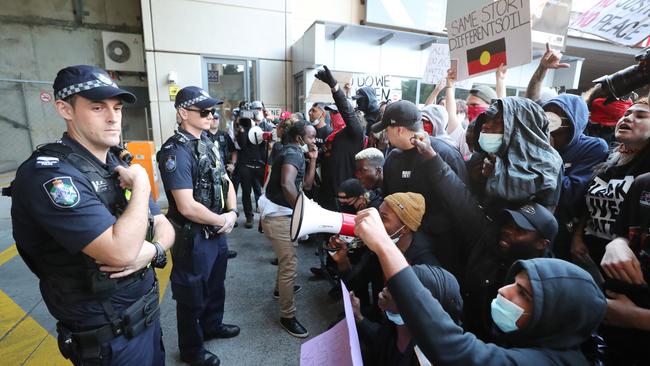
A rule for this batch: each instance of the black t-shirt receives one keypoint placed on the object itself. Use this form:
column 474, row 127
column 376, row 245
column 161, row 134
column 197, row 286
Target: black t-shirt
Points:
column 321, row 135
column 249, row 153
column 290, row 154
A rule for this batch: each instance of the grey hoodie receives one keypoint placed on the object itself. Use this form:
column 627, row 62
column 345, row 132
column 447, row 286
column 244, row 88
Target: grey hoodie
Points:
column 567, row 307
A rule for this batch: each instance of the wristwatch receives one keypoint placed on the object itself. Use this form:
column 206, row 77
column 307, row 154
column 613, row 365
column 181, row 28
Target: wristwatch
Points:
column 235, row 211
column 160, row 259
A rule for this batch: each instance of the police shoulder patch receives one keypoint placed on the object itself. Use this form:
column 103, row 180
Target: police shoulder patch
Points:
column 62, row 192
column 46, row 162
column 170, row 163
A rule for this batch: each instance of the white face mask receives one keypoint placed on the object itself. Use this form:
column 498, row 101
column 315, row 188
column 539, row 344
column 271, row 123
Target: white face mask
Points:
column 304, row 148
column 259, row 116
column 396, row 235
column 490, row 142
column 316, row 120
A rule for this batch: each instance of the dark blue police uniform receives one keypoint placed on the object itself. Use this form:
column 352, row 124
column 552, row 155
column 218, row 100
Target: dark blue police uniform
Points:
column 56, row 211
column 200, row 255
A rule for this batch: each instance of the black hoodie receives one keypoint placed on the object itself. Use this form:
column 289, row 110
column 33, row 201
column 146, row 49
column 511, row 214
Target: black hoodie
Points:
column 367, row 103
column 567, row 307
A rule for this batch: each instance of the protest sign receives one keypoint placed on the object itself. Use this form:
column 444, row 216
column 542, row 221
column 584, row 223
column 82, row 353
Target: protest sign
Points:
column 381, row 84
column 550, row 22
column 437, row 66
column 339, row 346
column 626, row 22
column 488, row 36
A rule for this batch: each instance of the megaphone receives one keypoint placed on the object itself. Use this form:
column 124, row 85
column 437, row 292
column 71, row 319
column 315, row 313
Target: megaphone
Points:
column 308, row 218
column 256, row 136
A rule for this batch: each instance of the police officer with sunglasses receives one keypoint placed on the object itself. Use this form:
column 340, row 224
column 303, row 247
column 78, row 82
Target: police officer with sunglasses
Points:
column 202, row 209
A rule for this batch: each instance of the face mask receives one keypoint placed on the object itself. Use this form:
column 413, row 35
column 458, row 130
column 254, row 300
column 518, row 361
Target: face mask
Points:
column 474, row 110
column 304, row 148
column 490, row 142
column 395, row 318
column 259, row 116
column 396, row 235
column 316, row 120
column 505, row 313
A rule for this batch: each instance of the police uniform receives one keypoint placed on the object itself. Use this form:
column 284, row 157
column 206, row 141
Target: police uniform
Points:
column 63, row 198
column 200, row 255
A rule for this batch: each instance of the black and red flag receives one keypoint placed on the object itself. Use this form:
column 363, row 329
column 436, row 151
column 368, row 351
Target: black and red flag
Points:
column 486, row 57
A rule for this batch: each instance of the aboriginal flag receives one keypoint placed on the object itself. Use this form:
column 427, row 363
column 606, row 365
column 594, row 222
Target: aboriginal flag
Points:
column 486, row 57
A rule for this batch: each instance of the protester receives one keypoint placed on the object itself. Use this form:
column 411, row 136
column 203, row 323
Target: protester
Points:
column 521, row 166
column 289, row 174
column 603, row 118
column 626, row 264
column 568, row 117
column 367, row 103
column 352, row 197
column 370, row 169
column 392, row 344
column 405, row 171
column 608, row 188
column 549, row 60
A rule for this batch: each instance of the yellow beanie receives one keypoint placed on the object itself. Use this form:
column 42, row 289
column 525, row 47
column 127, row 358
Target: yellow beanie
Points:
column 409, row 207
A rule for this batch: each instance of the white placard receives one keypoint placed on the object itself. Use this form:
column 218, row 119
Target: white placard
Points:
column 496, row 33
column 437, row 66
column 624, row 21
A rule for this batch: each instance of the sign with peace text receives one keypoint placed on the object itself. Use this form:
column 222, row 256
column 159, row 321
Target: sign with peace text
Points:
column 625, row 22
column 494, row 34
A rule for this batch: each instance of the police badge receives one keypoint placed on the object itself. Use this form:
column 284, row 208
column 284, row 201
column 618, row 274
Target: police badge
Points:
column 62, row 192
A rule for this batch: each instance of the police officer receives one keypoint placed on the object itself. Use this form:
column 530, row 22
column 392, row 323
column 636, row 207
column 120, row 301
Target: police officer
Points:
column 84, row 223
column 202, row 207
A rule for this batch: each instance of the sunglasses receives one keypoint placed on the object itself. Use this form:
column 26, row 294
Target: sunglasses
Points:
column 204, row 112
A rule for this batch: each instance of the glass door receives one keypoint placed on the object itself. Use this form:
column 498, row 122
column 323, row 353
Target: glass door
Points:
column 230, row 80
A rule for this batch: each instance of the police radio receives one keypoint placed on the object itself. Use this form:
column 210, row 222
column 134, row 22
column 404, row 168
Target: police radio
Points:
column 122, row 153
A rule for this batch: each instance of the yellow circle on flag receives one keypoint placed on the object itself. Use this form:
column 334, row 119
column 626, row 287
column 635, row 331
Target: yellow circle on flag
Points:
column 485, row 58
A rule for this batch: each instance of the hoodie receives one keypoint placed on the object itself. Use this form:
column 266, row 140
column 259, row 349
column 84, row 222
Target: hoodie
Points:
column 368, row 104
column 438, row 116
column 568, row 306
column 581, row 154
column 527, row 168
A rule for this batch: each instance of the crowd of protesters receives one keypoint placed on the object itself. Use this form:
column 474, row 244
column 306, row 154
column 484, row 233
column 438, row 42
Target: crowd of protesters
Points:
column 492, row 230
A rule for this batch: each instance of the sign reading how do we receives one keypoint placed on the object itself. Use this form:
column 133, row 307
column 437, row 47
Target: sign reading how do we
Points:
column 381, row 84
column 497, row 33
column 626, row 22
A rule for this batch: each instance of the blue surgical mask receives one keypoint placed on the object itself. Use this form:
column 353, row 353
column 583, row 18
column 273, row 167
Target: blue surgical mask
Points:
column 490, row 142
column 395, row 318
column 505, row 313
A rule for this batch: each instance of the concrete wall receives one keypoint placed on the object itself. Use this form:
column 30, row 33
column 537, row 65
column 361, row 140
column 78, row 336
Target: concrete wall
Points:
column 245, row 29
column 38, row 38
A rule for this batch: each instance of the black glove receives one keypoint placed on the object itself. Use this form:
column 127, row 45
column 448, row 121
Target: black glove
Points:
column 326, row 76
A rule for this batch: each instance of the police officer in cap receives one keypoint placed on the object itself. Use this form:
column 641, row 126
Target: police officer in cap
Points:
column 202, row 207
column 85, row 224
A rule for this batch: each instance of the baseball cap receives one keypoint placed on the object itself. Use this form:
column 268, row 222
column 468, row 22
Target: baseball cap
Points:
column 361, row 94
column 193, row 95
column 256, row 104
column 535, row 217
column 351, row 188
column 332, row 108
column 484, row 92
column 90, row 82
column 400, row 113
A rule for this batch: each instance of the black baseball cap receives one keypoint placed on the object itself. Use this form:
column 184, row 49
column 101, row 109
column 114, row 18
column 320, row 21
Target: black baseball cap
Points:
column 193, row 95
column 400, row 113
column 90, row 82
column 535, row 217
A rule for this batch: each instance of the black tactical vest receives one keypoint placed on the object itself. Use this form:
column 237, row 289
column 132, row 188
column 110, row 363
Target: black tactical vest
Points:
column 77, row 277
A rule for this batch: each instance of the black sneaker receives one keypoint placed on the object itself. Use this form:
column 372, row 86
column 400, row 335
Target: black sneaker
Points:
column 274, row 261
column 249, row 223
column 208, row 359
column 293, row 327
column 231, row 254
column 296, row 289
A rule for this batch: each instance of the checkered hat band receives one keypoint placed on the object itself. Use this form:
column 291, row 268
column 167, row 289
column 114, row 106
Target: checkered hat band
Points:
column 76, row 88
column 191, row 102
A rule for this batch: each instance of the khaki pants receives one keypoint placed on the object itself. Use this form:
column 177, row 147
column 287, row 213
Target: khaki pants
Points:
column 277, row 230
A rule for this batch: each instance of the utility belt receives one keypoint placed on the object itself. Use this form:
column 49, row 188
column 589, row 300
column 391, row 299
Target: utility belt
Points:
column 185, row 232
column 86, row 342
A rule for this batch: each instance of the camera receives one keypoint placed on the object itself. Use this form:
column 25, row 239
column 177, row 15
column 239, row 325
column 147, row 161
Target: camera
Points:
column 246, row 111
column 622, row 82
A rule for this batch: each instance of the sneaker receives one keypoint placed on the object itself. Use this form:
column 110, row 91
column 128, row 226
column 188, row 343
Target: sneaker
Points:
column 249, row 223
column 296, row 289
column 231, row 254
column 293, row 327
column 274, row 261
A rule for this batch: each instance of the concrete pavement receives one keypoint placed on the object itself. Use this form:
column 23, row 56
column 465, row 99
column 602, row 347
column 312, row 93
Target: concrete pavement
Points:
column 28, row 336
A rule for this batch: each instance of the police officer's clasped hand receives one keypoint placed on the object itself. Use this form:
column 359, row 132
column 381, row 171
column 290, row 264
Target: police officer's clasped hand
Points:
column 230, row 219
column 134, row 175
column 147, row 252
column 325, row 75
column 369, row 228
column 423, row 145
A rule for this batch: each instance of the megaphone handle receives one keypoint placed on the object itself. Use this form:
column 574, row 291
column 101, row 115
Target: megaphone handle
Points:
column 347, row 226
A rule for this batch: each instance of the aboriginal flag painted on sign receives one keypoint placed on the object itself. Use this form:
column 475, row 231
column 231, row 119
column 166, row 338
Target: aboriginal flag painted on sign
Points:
column 486, row 57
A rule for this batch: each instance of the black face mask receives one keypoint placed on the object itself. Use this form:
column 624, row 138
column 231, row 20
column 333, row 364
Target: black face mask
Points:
column 521, row 251
column 349, row 209
column 362, row 104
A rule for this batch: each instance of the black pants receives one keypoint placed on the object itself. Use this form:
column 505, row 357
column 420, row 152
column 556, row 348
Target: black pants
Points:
column 250, row 178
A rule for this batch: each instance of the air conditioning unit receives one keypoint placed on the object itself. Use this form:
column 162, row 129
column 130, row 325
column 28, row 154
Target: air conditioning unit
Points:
column 123, row 52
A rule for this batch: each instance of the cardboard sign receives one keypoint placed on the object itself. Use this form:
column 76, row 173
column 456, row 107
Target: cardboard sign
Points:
column 550, row 22
column 486, row 37
column 438, row 64
column 381, row 84
column 624, row 21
